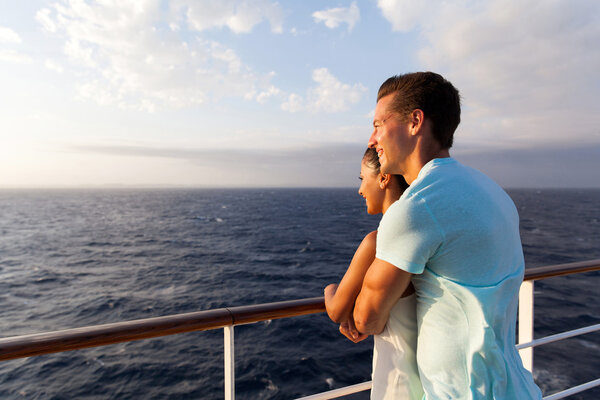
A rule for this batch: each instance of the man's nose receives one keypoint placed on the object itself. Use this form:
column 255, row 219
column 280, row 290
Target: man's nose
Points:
column 373, row 139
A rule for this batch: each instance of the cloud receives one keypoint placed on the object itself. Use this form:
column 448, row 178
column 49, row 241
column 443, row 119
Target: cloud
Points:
column 264, row 95
column 334, row 17
column 323, row 165
column 239, row 16
column 329, row 95
column 305, row 166
column 407, row 15
column 527, row 70
column 7, row 35
column 294, row 103
column 127, row 54
column 14, row 57
column 538, row 168
column 54, row 66
column 44, row 17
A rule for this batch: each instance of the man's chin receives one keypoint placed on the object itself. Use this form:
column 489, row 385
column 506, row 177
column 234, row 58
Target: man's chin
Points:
column 386, row 169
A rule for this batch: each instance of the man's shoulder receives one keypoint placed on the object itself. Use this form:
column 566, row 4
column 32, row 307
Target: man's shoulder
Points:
column 408, row 203
column 410, row 212
column 447, row 181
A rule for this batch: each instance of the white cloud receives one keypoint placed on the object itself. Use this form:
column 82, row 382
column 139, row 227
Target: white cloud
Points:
column 527, row 70
column 43, row 16
column 264, row 95
column 54, row 66
column 15, row 57
column 294, row 103
column 329, row 95
column 239, row 16
column 134, row 55
column 7, row 35
column 406, row 15
column 334, row 17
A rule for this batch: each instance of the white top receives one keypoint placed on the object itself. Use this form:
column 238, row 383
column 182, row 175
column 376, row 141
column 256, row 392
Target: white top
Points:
column 395, row 374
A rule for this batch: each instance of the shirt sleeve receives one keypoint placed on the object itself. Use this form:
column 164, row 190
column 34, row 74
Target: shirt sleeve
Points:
column 408, row 235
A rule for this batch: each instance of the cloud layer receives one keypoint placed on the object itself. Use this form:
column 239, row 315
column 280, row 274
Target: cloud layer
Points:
column 542, row 168
column 239, row 16
column 523, row 67
column 134, row 55
column 9, row 39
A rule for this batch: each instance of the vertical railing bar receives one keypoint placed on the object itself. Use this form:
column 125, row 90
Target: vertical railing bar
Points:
column 526, row 323
column 229, row 355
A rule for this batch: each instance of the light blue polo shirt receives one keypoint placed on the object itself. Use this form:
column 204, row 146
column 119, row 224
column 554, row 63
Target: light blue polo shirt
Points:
column 458, row 232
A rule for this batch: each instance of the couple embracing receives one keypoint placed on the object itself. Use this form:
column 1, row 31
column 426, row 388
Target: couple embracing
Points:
column 437, row 284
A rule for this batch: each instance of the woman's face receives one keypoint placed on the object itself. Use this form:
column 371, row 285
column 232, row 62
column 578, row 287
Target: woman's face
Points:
column 370, row 189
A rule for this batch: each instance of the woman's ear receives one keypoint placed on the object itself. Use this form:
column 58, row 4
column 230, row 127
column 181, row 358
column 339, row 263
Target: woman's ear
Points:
column 384, row 180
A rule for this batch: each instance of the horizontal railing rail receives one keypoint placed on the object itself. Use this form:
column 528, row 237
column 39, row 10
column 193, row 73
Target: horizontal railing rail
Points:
column 549, row 271
column 101, row 335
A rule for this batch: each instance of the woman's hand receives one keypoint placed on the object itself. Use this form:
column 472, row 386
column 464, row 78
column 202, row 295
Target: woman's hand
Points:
column 349, row 330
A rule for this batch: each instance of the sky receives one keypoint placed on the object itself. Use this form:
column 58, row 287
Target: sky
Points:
column 261, row 93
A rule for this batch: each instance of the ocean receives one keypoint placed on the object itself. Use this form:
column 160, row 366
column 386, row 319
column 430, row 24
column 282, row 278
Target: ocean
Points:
column 73, row 258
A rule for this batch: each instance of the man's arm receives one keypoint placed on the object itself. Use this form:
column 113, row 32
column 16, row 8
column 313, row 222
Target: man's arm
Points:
column 382, row 286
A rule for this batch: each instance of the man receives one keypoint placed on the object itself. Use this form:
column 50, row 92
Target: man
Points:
column 455, row 233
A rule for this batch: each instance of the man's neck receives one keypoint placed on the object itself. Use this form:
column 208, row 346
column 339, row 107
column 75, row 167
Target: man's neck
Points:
column 418, row 161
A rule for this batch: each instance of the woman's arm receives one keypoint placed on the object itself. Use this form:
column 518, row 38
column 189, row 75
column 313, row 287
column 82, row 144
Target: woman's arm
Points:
column 339, row 299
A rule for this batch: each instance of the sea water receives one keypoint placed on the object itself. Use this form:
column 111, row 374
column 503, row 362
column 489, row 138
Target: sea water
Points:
column 73, row 258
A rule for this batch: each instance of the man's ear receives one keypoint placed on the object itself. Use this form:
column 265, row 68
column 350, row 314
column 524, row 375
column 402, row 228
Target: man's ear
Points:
column 417, row 117
column 384, row 180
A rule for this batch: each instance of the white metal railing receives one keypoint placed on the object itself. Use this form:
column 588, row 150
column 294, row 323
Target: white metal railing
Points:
column 525, row 345
column 335, row 393
column 226, row 318
column 229, row 357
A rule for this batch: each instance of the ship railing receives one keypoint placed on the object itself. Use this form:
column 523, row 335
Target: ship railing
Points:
column 227, row 318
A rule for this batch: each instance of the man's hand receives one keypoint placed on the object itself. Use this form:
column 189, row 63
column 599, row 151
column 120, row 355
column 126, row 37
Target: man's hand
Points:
column 349, row 330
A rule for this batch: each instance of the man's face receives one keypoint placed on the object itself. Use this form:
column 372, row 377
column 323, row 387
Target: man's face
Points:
column 390, row 137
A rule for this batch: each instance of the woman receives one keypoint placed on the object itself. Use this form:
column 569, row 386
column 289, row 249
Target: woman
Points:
column 395, row 374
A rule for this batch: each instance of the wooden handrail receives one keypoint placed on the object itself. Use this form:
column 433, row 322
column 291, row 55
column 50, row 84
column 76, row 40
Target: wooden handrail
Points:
column 549, row 271
column 100, row 335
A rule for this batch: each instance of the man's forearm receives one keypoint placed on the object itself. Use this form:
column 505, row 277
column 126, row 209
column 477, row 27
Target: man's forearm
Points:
column 368, row 320
column 383, row 285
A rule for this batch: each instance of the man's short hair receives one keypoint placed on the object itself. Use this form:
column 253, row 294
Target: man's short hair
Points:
column 429, row 92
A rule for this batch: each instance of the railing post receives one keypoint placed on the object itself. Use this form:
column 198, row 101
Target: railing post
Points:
column 229, row 363
column 526, row 322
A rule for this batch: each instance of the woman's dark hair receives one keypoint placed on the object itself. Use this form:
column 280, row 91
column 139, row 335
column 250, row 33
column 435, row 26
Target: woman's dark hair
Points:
column 372, row 160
